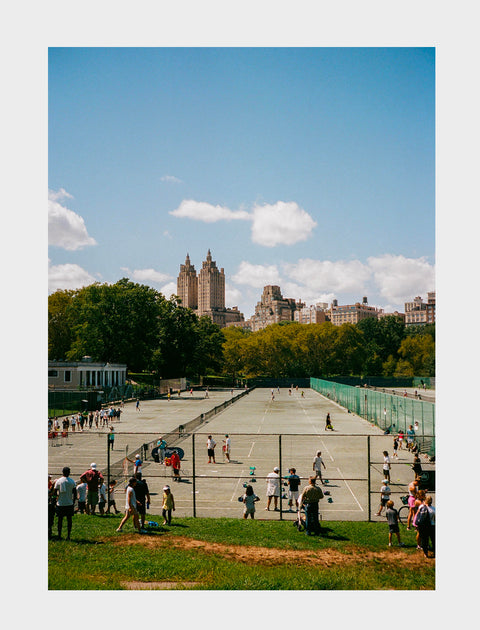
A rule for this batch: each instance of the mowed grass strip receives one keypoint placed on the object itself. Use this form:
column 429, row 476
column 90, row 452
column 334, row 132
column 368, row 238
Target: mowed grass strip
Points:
column 233, row 554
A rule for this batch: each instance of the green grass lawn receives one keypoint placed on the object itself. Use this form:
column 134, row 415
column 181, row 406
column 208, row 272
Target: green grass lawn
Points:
column 233, row 554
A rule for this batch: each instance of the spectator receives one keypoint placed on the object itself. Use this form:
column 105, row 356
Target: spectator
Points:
column 400, row 440
column 392, row 519
column 82, row 496
column 102, row 498
column 417, row 466
column 130, row 506
column 52, row 499
column 142, row 494
column 273, row 488
column 65, row 488
column 94, row 480
column 419, row 499
column 309, row 499
column 410, row 437
column 111, row 497
column 249, row 500
column 111, row 438
column 412, row 494
column 317, row 466
column 137, row 465
column 425, row 523
column 384, row 496
column 168, row 505
column 293, row 485
column 162, row 445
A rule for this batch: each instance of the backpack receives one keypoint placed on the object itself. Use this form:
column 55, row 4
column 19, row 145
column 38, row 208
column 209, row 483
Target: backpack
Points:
column 423, row 516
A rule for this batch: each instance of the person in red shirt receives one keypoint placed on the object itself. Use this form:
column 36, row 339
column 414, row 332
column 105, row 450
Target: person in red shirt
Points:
column 94, row 480
column 175, row 461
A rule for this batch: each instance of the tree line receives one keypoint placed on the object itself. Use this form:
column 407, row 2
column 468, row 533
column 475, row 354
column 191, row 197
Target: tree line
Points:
column 134, row 324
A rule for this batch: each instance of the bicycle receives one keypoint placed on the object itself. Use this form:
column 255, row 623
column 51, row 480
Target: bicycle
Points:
column 403, row 511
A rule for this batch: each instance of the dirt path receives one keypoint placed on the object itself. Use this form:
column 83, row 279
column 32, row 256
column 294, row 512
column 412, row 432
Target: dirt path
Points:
column 274, row 557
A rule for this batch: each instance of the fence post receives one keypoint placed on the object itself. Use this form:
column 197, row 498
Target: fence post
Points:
column 108, row 470
column 193, row 477
column 280, row 466
column 369, row 501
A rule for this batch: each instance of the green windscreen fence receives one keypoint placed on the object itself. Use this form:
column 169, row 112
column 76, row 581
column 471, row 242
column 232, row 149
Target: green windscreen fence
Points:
column 387, row 411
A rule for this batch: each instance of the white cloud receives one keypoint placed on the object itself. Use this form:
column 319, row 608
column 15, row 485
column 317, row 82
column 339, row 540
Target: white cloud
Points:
column 147, row 275
column 206, row 212
column 326, row 277
column 169, row 289
column 68, row 276
column 66, row 228
column 233, row 296
column 400, row 279
column 171, row 179
column 256, row 275
column 281, row 224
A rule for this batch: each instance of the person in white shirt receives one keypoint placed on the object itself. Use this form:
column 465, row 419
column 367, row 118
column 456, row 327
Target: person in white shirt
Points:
column 273, row 488
column 65, row 489
column 130, row 506
column 82, row 496
column 386, row 466
column 317, row 466
column 227, row 447
column 211, row 444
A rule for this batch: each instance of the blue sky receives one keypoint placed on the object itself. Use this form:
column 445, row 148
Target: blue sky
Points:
column 311, row 168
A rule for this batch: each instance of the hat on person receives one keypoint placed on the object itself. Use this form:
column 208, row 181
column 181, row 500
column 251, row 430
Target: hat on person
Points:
column 385, row 481
column 93, row 465
column 137, row 456
column 276, row 469
column 166, row 487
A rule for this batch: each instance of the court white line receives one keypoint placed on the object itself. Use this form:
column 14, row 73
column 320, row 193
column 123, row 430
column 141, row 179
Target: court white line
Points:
column 250, row 452
column 351, row 491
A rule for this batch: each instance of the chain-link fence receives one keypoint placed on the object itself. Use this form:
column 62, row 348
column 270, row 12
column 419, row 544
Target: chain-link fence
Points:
column 389, row 412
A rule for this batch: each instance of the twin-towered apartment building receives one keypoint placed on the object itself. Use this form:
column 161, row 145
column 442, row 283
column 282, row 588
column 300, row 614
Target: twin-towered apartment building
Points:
column 205, row 295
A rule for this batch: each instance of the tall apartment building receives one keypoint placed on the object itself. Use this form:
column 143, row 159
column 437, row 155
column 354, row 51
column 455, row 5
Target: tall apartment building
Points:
column 273, row 308
column 187, row 285
column 205, row 293
column 418, row 312
column 315, row 314
column 352, row 313
column 211, row 287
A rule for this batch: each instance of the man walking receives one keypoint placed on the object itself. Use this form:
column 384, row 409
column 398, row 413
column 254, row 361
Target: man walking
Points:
column 143, row 498
column 317, row 466
column 309, row 499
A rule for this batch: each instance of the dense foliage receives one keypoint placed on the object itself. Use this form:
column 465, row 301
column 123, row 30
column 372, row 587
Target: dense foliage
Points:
column 135, row 324
column 383, row 347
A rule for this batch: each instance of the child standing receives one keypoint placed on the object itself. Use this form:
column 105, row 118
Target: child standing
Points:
column 249, row 500
column 392, row 519
column 168, row 505
column 384, row 496
column 82, row 497
column 111, row 497
column 102, row 498
column 293, row 485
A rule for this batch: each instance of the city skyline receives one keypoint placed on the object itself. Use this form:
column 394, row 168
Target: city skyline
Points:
column 307, row 168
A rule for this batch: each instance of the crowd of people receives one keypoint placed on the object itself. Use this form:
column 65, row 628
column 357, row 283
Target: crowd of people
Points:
column 99, row 419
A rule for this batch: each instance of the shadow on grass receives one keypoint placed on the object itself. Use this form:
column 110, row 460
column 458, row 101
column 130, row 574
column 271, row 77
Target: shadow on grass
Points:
column 327, row 532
